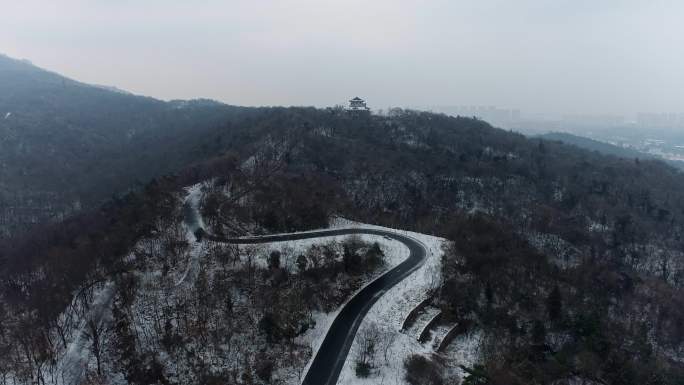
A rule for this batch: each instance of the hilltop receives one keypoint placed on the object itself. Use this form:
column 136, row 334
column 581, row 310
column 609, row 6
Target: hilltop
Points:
column 566, row 263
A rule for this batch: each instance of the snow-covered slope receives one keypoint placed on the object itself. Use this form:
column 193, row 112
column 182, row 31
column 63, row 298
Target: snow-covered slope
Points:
column 385, row 319
column 168, row 281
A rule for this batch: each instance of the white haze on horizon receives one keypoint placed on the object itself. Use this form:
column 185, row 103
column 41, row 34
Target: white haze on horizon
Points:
column 560, row 56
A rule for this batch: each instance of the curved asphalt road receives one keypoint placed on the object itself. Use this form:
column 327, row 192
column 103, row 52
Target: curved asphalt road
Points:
column 329, row 360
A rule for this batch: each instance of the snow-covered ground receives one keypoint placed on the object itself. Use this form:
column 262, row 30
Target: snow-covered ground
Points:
column 195, row 253
column 384, row 318
column 387, row 315
column 193, row 220
column 421, row 320
column 395, row 252
column 73, row 363
column 463, row 350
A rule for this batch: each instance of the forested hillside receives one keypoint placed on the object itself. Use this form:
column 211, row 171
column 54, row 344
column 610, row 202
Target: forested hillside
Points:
column 65, row 145
column 570, row 262
column 606, row 148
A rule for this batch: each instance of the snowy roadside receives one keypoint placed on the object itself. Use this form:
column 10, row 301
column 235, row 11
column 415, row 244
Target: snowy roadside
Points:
column 386, row 316
column 395, row 252
column 76, row 359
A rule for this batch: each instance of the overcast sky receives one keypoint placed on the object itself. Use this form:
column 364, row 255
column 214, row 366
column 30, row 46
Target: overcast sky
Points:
column 555, row 56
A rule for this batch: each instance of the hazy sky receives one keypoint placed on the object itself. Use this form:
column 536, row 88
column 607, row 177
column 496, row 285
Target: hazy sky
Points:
column 557, row 56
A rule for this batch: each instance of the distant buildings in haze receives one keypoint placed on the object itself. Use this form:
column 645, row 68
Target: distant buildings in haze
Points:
column 513, row 118
column 660, row 120
column 497, row 116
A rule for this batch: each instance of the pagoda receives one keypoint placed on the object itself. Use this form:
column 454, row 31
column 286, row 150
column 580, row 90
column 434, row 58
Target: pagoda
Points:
column 357, row 104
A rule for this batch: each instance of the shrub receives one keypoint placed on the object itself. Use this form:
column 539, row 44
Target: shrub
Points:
column 363, row 369
column 374, row 256
column 302, row 263
column 268, row 325
column 263, row 367
column 422, row 371
column 274, row 260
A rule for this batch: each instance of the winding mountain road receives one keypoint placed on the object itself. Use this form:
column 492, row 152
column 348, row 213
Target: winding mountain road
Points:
column 329, row 360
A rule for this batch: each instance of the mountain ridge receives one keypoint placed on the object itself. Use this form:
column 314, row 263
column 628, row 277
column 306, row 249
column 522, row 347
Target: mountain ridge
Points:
column 568, row 262
column 59, row 132
column 606, row 148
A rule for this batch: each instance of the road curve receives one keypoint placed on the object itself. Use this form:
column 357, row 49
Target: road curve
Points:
column 329, row 360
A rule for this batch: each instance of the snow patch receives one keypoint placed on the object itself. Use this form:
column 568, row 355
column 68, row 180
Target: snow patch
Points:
column 464, row 350
column 74, row 363
column 192, row 203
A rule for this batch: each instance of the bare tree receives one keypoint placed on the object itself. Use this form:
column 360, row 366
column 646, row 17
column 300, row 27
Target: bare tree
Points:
column 369, row 339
